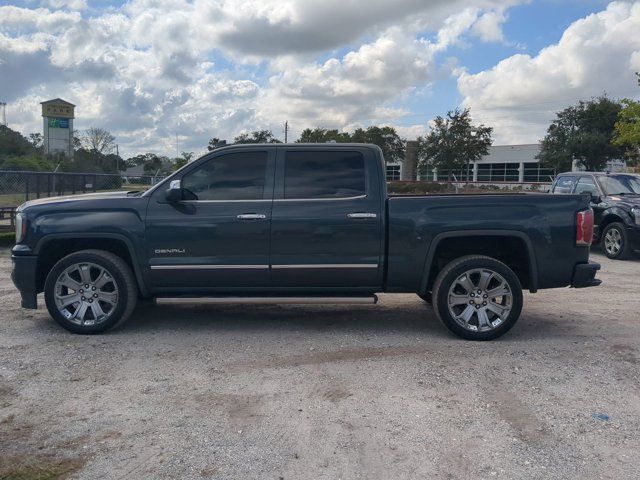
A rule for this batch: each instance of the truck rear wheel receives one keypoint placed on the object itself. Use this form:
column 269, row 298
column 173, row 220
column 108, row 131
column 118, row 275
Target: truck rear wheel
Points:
column 90, row 291
column 477, row 297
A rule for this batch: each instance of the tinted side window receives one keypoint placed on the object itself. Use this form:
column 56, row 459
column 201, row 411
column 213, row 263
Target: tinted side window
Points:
column 235, row 176
column 319, row 174
column 564, row 185
column 586, row 185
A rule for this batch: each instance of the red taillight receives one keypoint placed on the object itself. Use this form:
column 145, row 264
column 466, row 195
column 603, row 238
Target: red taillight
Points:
column 584, row 227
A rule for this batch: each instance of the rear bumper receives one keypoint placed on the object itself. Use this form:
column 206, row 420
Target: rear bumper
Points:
column 584, row 275
column 23, row 276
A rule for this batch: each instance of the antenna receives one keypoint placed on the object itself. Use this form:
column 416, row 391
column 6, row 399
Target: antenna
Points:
column 4, row 114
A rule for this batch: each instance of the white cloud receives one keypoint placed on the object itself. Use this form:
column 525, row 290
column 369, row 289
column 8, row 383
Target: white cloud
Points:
column 520, row 95
column 152, row 68
column 489, row 26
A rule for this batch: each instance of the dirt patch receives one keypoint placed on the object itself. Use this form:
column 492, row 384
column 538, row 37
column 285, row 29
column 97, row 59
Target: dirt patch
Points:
column 522, row 420
column 336, row 356
column 625, row 353
column 38, row 467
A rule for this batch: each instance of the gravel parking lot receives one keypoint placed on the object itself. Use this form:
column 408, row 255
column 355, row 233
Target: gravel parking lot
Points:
column 310, row 392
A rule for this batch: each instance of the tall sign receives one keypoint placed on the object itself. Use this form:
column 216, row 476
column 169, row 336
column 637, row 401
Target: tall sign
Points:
column 58, row 115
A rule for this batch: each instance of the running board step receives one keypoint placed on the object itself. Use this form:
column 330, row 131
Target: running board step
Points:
column 268, row 300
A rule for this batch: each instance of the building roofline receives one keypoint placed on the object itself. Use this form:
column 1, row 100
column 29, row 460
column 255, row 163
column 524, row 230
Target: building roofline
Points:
column 57, row 100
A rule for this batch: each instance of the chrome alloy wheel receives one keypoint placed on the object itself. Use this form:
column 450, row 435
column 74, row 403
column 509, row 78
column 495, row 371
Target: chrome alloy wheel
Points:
column 613, row 242
column 480, row 300
column 86, row 294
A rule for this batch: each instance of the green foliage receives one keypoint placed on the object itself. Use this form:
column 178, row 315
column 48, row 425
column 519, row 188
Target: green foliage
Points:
column 33, row 162
column 12, row 144
column 385, row 137
column 627, row 130
column 182, row 160
column 151, row 163
column 323, row 135
column 453, row 142
column 215, row 143
column 582, row 132
column 258, row 136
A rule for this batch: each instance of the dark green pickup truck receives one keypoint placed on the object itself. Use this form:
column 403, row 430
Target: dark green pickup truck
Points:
column 299, row 223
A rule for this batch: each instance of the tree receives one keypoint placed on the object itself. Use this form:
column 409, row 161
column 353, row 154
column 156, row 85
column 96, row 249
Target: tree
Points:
column 454, row 142
column 151, row 163
column 258, row 136
column 99, row 139
column 627, row 130
column 215, row 143
column 37, row 140
column 12, row 143
column 386, row 138
column 183, row 159
column 584, row 133
column 322, row 135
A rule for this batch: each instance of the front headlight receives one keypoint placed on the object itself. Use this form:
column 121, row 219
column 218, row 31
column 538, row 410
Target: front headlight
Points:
column 635, row 211
column 21, row 227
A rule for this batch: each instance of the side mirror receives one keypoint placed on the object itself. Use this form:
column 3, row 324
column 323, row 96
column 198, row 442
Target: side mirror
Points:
column 174, row 193
column 595, row 198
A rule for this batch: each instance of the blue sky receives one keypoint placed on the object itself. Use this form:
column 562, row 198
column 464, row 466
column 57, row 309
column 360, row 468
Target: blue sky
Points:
column 149, row 70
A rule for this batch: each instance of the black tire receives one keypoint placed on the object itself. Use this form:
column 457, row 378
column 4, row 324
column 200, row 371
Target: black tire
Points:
column 624, row 250
column 454, row 270
column 121, row 276
column 427, row 297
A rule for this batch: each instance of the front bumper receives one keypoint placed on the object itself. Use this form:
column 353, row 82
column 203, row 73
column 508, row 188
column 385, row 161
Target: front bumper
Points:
column 24, row 277
column 584, row 275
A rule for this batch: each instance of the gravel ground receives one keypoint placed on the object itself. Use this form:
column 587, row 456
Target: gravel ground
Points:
column 313, row 392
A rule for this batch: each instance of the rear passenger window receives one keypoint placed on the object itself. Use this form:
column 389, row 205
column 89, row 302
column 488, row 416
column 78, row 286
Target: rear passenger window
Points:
column 564, row 185
column 319, row 174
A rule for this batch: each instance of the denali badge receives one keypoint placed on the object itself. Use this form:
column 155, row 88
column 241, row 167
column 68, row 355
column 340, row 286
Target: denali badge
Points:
column 170, row 251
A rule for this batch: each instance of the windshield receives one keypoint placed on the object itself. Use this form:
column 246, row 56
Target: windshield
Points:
column 620, row 185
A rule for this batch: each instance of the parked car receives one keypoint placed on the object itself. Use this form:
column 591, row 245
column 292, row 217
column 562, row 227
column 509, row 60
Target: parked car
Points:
column 298, row 223
column 615, row 199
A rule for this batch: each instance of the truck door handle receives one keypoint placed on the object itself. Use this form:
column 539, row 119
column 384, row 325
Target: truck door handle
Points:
column 362, row 215
column 252, row 216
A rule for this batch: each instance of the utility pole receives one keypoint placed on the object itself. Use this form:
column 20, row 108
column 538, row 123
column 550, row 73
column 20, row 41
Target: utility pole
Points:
column 3, row 105
column 286, row 131
column 177, row 149
column 117, row 156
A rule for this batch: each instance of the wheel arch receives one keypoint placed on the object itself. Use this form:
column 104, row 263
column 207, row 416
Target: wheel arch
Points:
column 51, row 248
column 612, row 216
column 527, row 272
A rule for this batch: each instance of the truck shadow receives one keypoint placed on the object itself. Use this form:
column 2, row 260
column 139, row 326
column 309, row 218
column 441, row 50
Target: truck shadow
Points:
column 274, row 318
column 413, row 318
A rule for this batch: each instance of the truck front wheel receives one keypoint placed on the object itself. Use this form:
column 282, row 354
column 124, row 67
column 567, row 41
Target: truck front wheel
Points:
column 90, row 291
column 477, row 297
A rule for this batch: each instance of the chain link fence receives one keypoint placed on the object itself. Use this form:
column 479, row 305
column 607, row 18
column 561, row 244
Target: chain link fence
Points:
column 18, row 186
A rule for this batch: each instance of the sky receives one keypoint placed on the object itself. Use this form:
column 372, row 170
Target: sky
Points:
column 167, row 75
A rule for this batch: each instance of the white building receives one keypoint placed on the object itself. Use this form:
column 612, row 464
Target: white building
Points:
column 503, row 163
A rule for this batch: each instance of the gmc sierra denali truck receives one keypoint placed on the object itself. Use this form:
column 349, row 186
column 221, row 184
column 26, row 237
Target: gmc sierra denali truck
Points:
column 297, row 223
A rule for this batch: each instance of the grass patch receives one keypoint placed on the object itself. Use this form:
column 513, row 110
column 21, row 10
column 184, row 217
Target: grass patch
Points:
column 38, row 468
column 7, row 239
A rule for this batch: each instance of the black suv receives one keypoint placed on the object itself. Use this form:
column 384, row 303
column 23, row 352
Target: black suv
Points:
column 615, row 199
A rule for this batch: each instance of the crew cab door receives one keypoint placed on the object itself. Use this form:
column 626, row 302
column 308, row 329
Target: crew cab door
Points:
column 220, row 238
column 327, row 221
